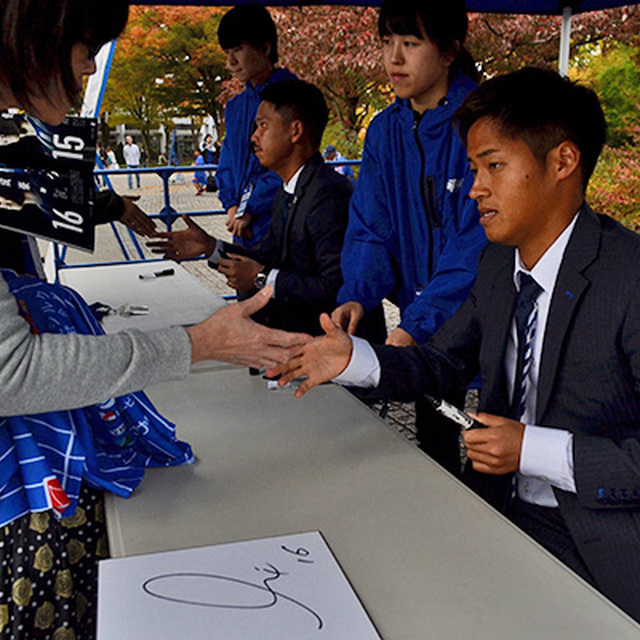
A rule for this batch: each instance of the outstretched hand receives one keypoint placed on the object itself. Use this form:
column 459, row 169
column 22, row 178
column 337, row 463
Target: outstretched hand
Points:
column 319, row 361
column 188, row 243
column 231, row 336
column 136, row 219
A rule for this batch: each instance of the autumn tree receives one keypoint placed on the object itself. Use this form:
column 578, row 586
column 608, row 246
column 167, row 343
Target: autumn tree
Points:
column 167, row 64
column 337, row 49
column 194, row 63
column 505, row 42
column 131, row 94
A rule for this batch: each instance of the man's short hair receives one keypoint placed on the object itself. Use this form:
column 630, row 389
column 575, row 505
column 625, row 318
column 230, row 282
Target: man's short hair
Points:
column 250, row 23
column 299, row 100
column 541, row 108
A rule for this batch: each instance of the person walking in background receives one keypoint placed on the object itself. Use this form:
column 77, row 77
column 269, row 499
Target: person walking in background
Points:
column 132, row 156
column 112, row 161
column 207, row 149
column 248, row 36
column 414, row 235
column 331, row 154
column 199, row 177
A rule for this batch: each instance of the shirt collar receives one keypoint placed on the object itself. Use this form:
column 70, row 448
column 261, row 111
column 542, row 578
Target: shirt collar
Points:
column 290, row 187
column 546, row 269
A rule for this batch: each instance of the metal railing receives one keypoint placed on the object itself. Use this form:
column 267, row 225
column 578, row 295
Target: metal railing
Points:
column 167, row 215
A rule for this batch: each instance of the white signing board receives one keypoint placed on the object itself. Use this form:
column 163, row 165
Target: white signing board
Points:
column 273, row 589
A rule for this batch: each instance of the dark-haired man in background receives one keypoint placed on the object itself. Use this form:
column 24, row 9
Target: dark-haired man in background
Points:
column 300, row 254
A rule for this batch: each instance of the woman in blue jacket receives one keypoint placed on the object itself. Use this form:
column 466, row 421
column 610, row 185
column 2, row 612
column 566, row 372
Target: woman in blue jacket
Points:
column 414, row 235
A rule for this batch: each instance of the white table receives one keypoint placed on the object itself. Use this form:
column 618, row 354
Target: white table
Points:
column 179, row 299
column 427, row 557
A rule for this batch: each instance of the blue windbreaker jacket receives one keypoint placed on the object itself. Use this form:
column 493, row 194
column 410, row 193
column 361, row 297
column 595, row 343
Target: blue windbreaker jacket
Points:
column 239, row 168
column 414, row 234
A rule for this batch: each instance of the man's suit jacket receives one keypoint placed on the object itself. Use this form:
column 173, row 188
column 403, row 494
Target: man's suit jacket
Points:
column 304, row 243
column 589, row 384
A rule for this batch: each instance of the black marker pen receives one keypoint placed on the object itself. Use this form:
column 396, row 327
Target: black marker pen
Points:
column 453, row 413
column 156, row 274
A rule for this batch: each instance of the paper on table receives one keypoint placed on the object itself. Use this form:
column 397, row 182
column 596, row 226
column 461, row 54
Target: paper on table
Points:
column 273, row 588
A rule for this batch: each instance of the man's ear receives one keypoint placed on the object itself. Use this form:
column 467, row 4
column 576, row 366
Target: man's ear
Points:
column 567, row 159
column 296, row 131
column 452, row 52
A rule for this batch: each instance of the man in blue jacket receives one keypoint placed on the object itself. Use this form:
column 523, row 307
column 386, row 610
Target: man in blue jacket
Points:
column 248, row 36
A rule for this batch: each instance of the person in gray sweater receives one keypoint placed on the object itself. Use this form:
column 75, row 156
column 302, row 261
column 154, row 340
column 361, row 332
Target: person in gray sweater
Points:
column 48, row 558
column 42, row 64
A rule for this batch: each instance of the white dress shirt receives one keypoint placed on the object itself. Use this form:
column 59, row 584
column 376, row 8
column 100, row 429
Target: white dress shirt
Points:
column 546, row 458
column 289, row 187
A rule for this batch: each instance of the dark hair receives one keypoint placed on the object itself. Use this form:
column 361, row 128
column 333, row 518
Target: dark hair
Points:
column 250, row 23
column 543, row 109
column 299, row 101
column 38, row 36
column 445, row 22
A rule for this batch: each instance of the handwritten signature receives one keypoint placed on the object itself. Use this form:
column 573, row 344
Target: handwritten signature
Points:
column 160, row 587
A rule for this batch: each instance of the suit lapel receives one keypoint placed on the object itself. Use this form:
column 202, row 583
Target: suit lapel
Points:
column 571, row 284
column 499, row 312
column 305, row 177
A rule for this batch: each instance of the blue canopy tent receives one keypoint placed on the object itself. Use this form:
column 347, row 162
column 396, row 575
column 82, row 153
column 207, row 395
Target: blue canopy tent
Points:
column 548, row 7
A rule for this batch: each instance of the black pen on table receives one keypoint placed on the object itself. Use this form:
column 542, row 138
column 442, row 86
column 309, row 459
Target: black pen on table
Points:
column 156, row 274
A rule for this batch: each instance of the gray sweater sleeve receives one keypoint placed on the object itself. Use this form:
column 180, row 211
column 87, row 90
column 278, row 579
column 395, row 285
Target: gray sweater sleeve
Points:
column 53, row 372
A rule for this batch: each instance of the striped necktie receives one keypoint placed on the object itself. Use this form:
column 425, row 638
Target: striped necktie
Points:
column 526, row 314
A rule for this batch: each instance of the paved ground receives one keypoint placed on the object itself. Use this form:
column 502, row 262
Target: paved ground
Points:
column 183, row 199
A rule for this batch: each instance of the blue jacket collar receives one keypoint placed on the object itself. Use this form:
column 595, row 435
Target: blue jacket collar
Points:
column 458, row 91
column 277, row 76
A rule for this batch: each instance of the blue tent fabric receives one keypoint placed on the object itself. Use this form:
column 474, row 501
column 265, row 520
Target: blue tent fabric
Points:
column 46, row 457
column 545, row 7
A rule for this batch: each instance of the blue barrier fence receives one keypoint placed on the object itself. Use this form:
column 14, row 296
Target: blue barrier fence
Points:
column 167, row 215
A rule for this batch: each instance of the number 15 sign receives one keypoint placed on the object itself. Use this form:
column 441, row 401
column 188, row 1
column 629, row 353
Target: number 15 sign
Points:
column 46, row 178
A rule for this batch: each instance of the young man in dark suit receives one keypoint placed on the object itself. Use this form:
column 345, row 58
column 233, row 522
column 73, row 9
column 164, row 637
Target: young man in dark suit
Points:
column 300, row 254
column 560, row 399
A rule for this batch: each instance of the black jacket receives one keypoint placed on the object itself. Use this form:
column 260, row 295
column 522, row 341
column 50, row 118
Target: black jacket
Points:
column 589, row 384
column 305, row 246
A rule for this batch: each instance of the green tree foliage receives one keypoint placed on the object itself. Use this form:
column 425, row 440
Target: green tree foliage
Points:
column 167, row 64
column 615, row 185
column 615, row 76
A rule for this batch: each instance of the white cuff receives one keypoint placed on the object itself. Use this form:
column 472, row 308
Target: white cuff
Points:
column 271, row 279
column 547, row 455
column 363, row 369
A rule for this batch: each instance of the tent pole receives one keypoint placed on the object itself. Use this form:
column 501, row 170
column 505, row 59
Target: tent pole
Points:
column 565, row 41
column 97, row 83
